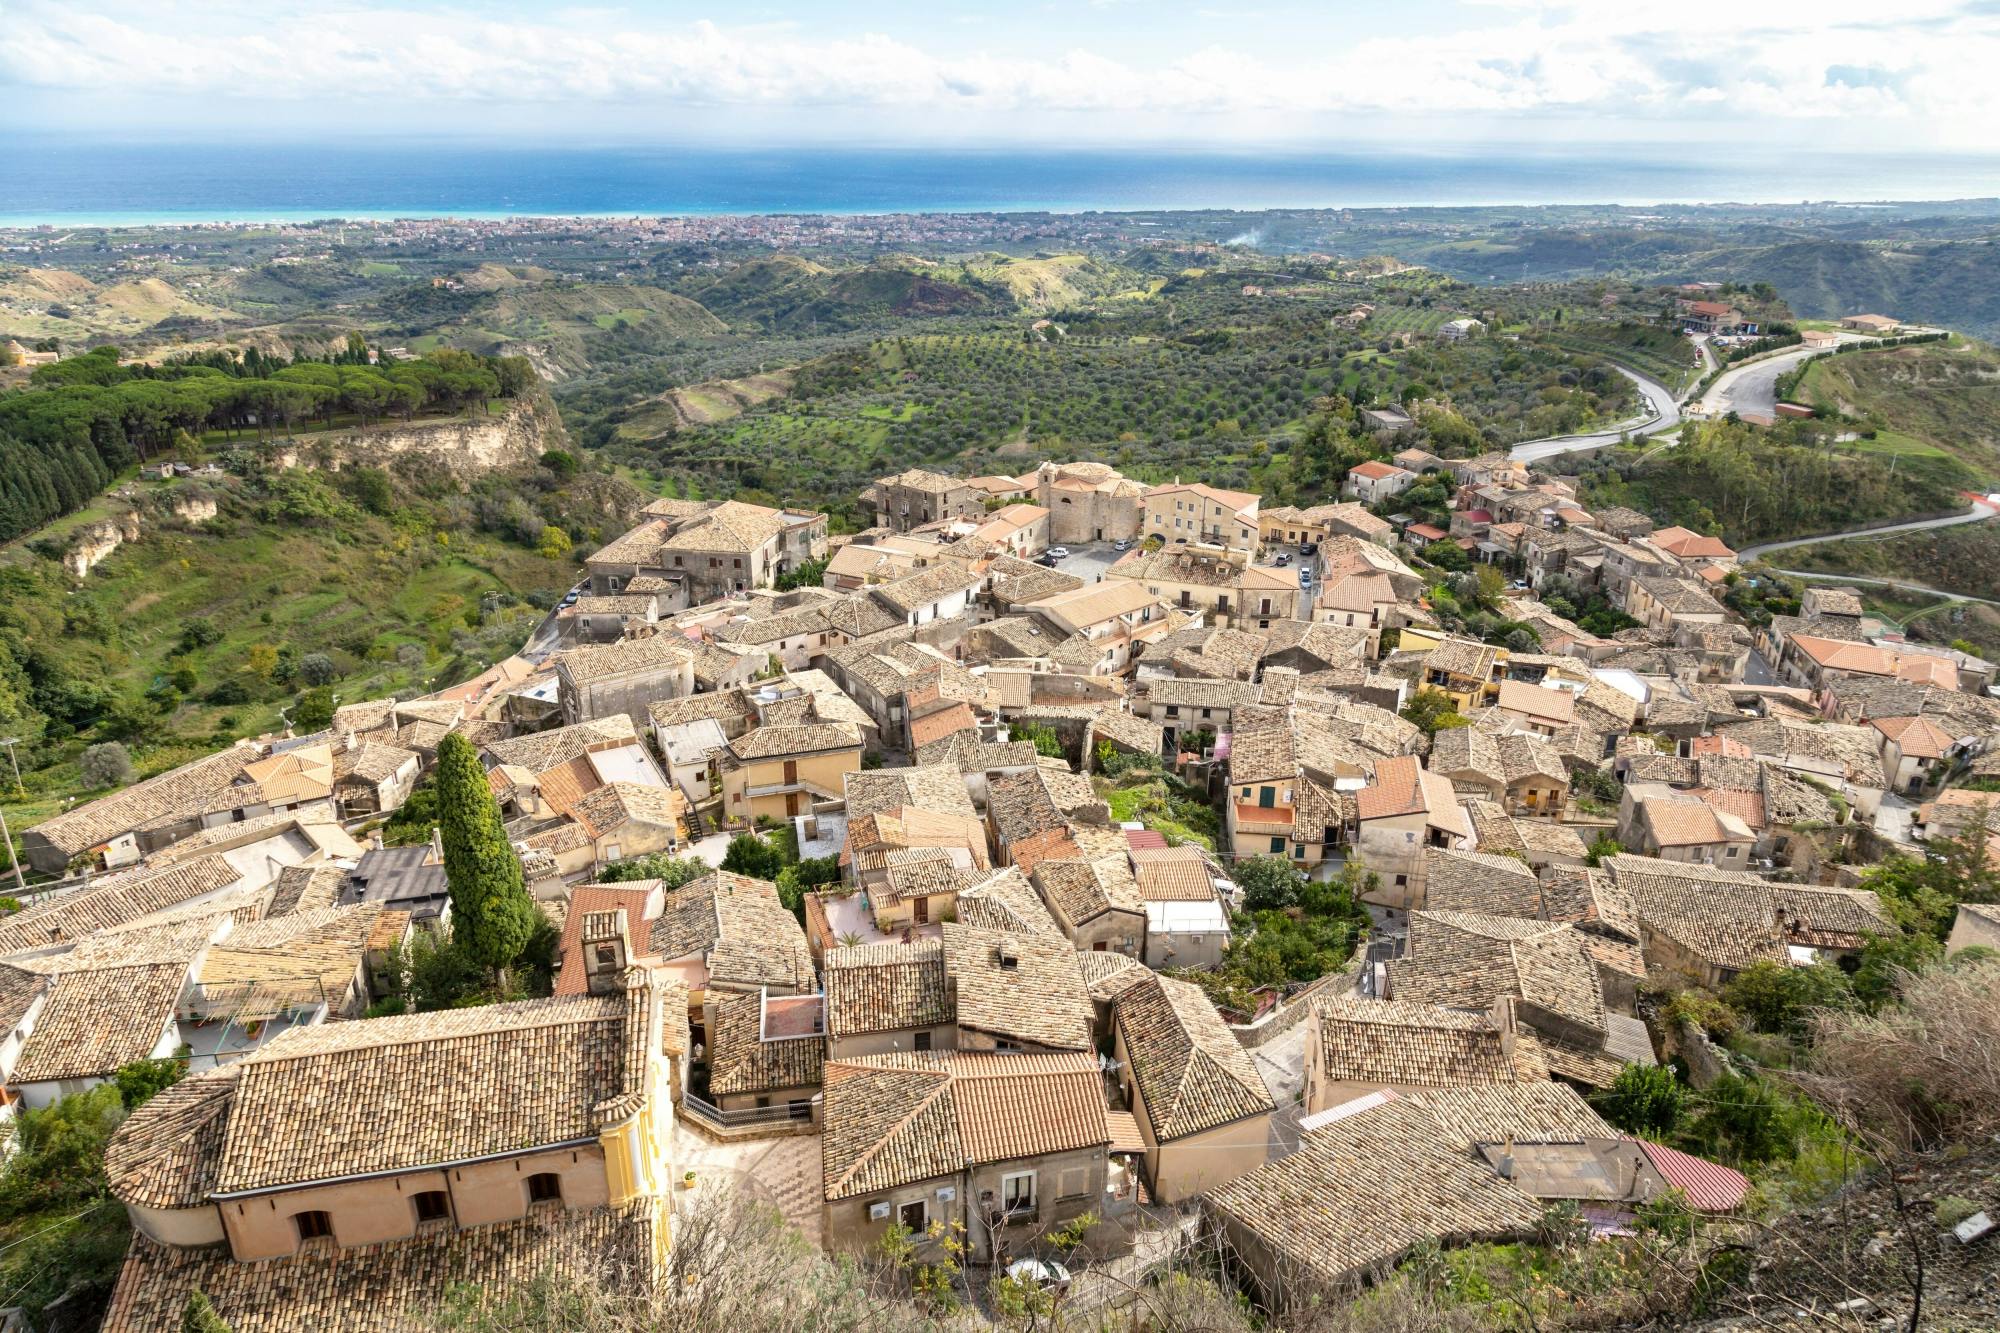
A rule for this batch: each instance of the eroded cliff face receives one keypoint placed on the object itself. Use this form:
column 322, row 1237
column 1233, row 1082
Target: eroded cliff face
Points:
column 90, row 546
column 93, row 543
column 466, row 446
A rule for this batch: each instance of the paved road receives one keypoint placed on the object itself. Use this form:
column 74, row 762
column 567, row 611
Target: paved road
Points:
column 1978, row 513
column 1900, row 585
column 1751, row 389
column 1662, row 413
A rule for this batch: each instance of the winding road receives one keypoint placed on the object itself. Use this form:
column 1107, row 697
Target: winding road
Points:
column 1751, row 389
column 1978, row 513
column 1899, row 585
column 1663, row 413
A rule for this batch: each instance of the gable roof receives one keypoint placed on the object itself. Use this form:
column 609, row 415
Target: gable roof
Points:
column 1023, row 988
column 98, row 1020
column 1468, row 961
column 886, row 988
column 893, row 1120
column 1397, row 1042
column 1365, row 1189
column 1191, row 1072
column 456, row 1077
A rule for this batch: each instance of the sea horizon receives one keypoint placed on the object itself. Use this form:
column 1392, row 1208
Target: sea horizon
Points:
column 68, row 183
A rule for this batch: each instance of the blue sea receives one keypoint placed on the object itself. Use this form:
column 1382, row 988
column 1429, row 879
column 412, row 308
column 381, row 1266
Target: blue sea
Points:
column 71, row 182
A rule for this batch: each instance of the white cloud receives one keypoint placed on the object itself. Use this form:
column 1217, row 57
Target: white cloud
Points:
column 1782, row 59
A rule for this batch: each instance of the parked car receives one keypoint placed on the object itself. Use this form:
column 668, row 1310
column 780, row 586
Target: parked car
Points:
column 1305, row 578
column 1282, row 558
column 1046, row 1274
column 1121, row 545
column 1308, row 548
column 1059, row 552
column 1047, row 558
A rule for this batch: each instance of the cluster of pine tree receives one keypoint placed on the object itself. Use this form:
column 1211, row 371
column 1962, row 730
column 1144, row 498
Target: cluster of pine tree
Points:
column 79, row 422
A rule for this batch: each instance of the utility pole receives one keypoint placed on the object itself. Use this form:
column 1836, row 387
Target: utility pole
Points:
column 10, row 742
column 20, row 882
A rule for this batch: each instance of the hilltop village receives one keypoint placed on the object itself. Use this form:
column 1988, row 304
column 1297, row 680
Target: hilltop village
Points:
column 1060, row 864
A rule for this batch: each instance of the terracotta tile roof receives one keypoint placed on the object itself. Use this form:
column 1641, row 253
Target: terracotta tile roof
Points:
column 386, row 1288
column 1916, row 737
column 1021, row 988
column 616, row 804
column 543, row 750
column 886, row 988
column 1490, row 1113
column 1680, row 822
column 177, row 793
column 305, row 887
column 936, row 726
column 1174, row 881
column 456, row 1076
column 114, row 900
column 1191, row 1072
column 1082, row 891
column 740, row 1060
column 95, row 1022
column 1396, row 791
column 1727, row 918
column 1364, row 1190
column 1480, row 882
column 261, row 970
column 1468, row 961
column 166, row 1154
column 601, row 661
column 1397, row 1042
column 1006, row 901
column 935, row 787
column 1109, row 975
column 1537, row 701
column 894, row 1120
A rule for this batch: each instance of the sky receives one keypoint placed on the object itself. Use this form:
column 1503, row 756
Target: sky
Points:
column 1917, row 76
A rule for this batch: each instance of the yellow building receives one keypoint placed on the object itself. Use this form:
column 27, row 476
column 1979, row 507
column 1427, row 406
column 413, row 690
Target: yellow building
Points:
column 778, row 772
column 368, row 1156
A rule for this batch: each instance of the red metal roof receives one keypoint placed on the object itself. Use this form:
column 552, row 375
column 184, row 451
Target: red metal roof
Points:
column 1143, row 839
column 1709, row 1186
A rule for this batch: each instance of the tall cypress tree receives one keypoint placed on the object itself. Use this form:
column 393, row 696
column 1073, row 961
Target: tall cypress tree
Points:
column 491, row 912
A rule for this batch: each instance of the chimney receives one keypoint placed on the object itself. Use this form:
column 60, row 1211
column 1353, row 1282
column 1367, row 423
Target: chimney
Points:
column 607, row 950
column 437, row 844
column 1506, row 1167
column 1503, row 1020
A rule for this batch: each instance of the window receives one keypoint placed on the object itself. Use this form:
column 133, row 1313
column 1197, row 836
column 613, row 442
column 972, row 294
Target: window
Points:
column 921, row 1041
column 916, row 1214
column 312, row 1225
column 1402, row 881
column 432, row 1205
column 1278, row 846
column 1017, row 1193
column 544, row 1187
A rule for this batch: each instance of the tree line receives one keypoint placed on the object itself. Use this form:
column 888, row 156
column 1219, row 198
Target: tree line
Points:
column 81, row 421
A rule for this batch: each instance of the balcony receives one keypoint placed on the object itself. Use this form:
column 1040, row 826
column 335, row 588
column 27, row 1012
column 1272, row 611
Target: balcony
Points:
column 1263, row 818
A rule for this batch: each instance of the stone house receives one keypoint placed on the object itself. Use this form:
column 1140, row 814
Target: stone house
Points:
column 1004, row 1147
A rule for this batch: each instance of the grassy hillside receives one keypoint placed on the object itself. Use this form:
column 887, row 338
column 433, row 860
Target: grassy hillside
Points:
column 43, row 303
column 1055, row 282
column 786, row 294
column 703, row 404
column 1942, row 395
column 1956, row 559
column 1748, row 484
column 194, row 635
